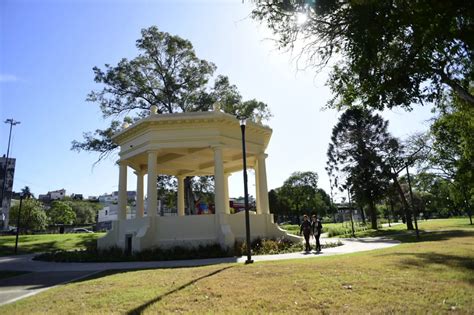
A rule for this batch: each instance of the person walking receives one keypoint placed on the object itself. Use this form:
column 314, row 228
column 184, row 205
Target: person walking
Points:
column 306, row 229
column 316, row 228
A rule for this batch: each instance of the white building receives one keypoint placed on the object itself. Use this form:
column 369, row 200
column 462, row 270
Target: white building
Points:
column 57, row 194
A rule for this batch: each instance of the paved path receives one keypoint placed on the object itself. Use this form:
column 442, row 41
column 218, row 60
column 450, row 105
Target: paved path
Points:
column 48, row 274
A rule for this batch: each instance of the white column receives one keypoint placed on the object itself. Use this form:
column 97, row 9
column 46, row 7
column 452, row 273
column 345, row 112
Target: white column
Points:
column 219, row 198
column 226, row 193
column 181, row 196
column 151, row 189
column 122, row 193
column 140, row 203
column 257, row 189
column 262, row 183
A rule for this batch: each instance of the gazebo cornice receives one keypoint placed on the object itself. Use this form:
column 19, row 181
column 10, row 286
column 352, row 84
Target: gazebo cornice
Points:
column 188, row 119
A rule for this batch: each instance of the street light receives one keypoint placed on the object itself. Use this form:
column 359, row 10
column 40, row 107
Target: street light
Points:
column 243, row 121
column 415, row 212
column 12, row 123
column 18, row 220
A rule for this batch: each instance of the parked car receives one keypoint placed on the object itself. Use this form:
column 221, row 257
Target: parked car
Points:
column 81, row 230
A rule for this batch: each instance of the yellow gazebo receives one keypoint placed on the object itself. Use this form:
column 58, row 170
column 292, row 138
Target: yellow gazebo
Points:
column 188, row 144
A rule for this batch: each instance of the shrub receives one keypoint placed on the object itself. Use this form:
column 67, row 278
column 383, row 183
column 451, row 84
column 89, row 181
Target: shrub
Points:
column 345, row 230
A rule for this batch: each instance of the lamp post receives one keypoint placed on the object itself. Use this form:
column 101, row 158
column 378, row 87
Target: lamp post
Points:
column 246, row 193
column 18, row 220
column 12, row 123
column 350, row 209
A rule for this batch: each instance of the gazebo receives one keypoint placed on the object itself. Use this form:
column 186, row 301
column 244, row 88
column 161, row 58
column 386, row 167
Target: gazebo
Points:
column 189, row 144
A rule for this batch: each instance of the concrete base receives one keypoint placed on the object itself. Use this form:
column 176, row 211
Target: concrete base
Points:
column 189, row 231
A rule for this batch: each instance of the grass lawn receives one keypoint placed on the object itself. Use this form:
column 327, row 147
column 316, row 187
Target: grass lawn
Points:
column 295, row 228
column 432, row 276
column 399, row 231
column 46, row 242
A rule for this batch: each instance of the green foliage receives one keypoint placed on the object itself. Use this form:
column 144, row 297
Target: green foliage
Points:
column 32, row 216
column 85, row 211
column 61, row 213
column 453, row 148
column 261, row 246
column 387, row 53
column 299, row 194
column 345, row 230
column 358, row 155
column 92, row 254
column 166, row 73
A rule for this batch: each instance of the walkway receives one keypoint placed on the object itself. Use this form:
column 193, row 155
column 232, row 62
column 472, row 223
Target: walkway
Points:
column 49, row 274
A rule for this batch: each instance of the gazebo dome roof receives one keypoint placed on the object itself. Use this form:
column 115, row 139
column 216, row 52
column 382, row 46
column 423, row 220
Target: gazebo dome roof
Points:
column 185, row 142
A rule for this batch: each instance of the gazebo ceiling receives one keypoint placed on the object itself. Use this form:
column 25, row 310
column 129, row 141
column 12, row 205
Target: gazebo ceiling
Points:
column 185, row 142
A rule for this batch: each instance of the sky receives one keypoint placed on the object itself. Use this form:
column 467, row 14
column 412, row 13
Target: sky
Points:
column 47, row 52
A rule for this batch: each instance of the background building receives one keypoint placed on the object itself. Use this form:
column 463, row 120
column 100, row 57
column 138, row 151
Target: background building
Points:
column 6, row 185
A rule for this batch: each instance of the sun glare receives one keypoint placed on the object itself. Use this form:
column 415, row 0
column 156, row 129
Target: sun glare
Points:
column 301, row 18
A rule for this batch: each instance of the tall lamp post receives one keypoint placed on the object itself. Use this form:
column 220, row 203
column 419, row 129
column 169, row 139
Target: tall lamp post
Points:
column 12, row 123
column 243, row 121
column 22, row 195
column 350, row 209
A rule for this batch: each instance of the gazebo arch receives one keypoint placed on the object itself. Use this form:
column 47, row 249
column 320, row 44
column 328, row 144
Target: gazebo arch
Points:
column 188, row 144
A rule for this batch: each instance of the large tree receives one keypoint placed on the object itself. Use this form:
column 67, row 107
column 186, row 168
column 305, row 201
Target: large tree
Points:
column 166, row 73
column 357, row 157
column 384, row 53
column 61, row 213
column 32, row 215
column 452, row 148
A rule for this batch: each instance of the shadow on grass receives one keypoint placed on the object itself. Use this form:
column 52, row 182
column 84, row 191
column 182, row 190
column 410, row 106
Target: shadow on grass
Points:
column 143, row 307
column 420, row 260
column 27, row 248
column 28, row 244
column 409, row 236
column 430, row 236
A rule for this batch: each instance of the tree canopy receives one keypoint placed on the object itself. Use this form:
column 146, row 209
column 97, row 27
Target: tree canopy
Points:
column 166, row 73
column 357, row 156
column 383, row 53
column 300, row 194
column 32, row 217
column 61, row 213
column 451, row 144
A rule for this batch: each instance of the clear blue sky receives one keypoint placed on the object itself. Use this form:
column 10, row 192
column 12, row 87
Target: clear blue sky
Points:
column 48, row 49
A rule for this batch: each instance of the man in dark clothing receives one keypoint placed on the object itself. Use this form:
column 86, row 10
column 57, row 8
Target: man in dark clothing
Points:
column 306, row 229
column 316, row 228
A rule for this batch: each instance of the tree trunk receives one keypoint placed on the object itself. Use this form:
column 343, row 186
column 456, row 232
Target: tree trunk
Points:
column 189, row 195
column 362, row 214
column 468, row 206
column 373, row 214
column 406, row 207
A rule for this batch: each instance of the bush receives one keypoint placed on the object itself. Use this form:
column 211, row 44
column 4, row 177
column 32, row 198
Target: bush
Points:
column 114, row 254
column 261, row 246
column 345, row 230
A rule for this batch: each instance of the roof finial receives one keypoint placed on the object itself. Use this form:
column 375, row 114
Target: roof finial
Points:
column 153, row 110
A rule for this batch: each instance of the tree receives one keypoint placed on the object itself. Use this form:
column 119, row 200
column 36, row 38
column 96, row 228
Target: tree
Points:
column 166, row 73
column 386, row 53
column 453, row 148
column 61, row 213
column 299, row 190
column 356, row 157
column 85, row 211
column 32, row 216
